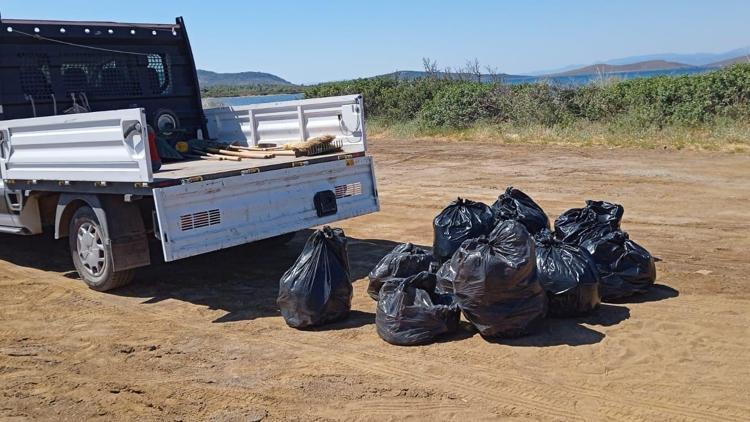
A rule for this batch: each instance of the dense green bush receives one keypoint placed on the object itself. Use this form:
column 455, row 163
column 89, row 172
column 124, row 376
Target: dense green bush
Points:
column 530, row 104
column 376, row 91
column 645, row 103
column 456, row 105
column 405, row 100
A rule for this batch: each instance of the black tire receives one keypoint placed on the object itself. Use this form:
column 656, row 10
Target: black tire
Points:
column 92, row 259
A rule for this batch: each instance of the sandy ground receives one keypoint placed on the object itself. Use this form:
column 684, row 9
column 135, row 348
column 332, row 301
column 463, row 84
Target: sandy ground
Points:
column 202, row 339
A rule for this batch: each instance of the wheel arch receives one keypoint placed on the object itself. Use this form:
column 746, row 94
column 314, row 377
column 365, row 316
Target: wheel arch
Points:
column 67, row 205
column 126, row 240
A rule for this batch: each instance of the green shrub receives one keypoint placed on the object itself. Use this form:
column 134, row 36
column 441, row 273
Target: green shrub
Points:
column 216, row 91
column 405, row 100
column 456, row 105
column 373, row 90
column 638, row 104
column 530, row 104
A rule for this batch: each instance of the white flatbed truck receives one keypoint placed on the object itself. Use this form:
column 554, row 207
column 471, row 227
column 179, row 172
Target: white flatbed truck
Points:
column 89, row 176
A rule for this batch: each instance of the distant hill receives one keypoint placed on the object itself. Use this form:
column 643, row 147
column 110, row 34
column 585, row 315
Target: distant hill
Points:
column 693, row 59
column 632, row 67
column 729, row 62
column 554, row 71
column 408, row 75
column 207, row 78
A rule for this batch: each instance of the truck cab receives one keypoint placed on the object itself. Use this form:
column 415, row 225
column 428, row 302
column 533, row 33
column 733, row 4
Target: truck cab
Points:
column 83, row 106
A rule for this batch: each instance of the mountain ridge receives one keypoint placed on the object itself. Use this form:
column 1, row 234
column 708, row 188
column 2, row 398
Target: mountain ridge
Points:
column 729, row 62
column 694, row 59
column 632, row 67
column 208, row 78
column 416, row 74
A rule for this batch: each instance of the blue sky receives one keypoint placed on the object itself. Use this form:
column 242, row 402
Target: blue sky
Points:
column 312, row 41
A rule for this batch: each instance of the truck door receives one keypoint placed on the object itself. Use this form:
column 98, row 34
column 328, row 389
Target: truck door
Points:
column 7, row 218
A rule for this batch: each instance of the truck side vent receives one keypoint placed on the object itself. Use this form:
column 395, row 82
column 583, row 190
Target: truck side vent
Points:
column 200, row 219
column 352, row 189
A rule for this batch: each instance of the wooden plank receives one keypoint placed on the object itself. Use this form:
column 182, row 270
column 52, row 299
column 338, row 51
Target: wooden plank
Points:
column 184, row 169
column 243, row 154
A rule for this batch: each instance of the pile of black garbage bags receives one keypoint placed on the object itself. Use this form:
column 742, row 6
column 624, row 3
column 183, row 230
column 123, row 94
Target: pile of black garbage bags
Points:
column 502, row 266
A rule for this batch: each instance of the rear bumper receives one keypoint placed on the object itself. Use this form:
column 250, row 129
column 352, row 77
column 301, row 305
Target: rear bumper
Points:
column 205, row 216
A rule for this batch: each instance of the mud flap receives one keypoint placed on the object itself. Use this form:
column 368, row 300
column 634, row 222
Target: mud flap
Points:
column 128, row 242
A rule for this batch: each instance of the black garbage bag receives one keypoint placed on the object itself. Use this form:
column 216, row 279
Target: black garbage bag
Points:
column 625, row 267
column 403, row 261
column 568, row 274
column 495, row 284
column 593, row 221
column 409, row 312
column 516, row 205
column 317, row 289
column 462, row 219
column 445, row 276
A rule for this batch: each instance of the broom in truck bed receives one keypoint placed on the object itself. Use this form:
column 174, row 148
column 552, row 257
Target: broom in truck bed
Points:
column 212, row 149
column 315, row 146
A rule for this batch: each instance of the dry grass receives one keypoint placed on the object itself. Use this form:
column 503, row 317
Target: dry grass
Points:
column 726, row 136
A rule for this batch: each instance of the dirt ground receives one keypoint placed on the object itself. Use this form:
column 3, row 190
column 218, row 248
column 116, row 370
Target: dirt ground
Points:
column 202, row 338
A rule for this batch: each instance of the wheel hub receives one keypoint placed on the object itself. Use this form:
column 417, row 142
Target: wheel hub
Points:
column 90, row 248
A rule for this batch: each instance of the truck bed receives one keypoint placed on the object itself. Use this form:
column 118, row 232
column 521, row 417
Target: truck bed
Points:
column 275, row 124
column 212, row 169
column 109, row 147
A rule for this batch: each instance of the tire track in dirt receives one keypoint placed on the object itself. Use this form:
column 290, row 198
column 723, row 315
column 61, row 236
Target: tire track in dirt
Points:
column 531, row 396
column 539, row 402
column 478, row 388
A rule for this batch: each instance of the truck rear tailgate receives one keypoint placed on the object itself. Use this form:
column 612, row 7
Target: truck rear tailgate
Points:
column 204, row 216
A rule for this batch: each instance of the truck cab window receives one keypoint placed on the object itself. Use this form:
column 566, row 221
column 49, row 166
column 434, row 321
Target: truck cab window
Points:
column 157, row 75
column 75, row 78
column 117, row 78
column 35, row 75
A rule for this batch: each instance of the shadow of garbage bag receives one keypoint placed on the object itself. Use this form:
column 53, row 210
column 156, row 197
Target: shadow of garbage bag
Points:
column 494, row 282
column 410, row 313
column 403, row 261
column 317, row 289
column 461, row 220
column 568, row 274
column 516, row 205
column 570, row 331
column 656, row 293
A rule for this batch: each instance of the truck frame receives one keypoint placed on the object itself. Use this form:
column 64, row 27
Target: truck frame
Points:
column 77, row 100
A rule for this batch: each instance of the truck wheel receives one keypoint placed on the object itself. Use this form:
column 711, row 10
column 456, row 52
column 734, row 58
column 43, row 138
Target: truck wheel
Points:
column 92, row 259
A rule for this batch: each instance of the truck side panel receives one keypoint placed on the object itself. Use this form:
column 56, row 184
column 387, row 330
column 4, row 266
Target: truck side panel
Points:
column 291, row 121
column 205, row 216
column 107, row 146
